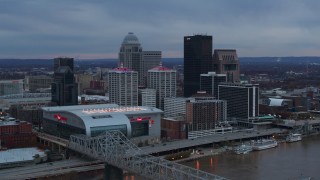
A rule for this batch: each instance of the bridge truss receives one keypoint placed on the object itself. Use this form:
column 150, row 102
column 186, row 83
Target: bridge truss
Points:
column 115, row 148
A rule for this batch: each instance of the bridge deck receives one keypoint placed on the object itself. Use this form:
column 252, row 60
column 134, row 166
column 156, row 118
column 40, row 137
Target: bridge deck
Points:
column 115, row 149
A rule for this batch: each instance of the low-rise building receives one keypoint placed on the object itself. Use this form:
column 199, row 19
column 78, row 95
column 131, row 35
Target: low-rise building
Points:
column 16, row 134
column 173, row 128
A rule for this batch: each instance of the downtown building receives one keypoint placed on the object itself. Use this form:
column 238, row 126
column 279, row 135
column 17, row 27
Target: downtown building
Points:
column 175, row 106
column 209, row 82
column 37, row 83
column 64, row 90
column 163, row 80
column 197, row 60
column 123, row 86
column 133, row 57
column 9, row 87
column 147, row 97
column 226, row 61
column 204, row 117
column 242, row 99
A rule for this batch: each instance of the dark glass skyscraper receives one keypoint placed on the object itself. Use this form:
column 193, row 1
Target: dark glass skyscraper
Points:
column 64, row 90
column 62, row 61
column 209, row 82
column 197, row 60
column 242, row 99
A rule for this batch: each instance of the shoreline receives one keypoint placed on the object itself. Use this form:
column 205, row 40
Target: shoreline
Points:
column 218, row 151
column 206, row 152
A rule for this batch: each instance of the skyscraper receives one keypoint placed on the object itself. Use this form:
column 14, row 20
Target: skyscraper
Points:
column 132, row 57
column 242, row 99
column 163, row 80
column 226, row 61
column 63, row 61
column 197, row 60
column 63, row 88
column 209, row 82
column 123, row 86
column 151, row 59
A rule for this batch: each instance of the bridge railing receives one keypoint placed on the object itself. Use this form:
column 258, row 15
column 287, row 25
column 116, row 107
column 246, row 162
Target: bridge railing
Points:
column 115, row 148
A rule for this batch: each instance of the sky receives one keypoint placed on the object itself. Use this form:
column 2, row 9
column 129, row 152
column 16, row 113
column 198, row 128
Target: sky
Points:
column 94, row 29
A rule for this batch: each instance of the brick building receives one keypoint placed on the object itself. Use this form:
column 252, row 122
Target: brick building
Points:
column 16, row 134
column 173, row 128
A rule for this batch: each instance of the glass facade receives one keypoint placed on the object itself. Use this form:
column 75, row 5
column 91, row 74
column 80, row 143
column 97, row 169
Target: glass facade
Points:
column 197, row 60
column 96, row 131
column 61, row 130
column 140, row 128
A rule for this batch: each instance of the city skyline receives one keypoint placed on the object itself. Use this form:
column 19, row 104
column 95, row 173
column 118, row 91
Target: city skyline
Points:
column 95, row 29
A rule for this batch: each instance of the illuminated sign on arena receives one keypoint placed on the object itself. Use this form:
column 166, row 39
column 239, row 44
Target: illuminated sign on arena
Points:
column 60, row 118
column 139, row 119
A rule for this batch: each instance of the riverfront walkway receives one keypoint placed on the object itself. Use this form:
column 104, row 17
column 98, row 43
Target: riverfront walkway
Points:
column 168, row 146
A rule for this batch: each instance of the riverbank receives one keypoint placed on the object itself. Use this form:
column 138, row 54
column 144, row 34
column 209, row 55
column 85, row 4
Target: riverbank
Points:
column 285, row 161
column 204, row 152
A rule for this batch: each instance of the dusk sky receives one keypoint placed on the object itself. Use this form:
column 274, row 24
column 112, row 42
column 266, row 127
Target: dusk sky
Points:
column 95, row 28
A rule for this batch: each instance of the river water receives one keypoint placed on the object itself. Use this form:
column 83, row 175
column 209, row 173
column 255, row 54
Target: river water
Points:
column 287, row 161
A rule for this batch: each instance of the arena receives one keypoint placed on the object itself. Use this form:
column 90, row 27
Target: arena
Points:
column 92, row 120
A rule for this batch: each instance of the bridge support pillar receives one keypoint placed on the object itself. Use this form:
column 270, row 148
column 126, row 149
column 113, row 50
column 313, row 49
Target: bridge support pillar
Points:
column 112, row 172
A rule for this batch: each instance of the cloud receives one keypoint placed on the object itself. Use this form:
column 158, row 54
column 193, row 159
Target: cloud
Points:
column 40, row 28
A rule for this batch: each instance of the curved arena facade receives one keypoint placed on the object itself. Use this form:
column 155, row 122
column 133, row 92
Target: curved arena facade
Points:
column 92, row 120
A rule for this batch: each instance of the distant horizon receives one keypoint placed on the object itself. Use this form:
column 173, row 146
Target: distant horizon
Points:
column 161, row 58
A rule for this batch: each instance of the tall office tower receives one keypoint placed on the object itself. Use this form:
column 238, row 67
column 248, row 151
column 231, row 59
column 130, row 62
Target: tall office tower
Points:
column 242, row 99
column 132, row 57
column 151, row 59
column 163, row 80
column 197, row 60
column 209, row 82
column 226, row 62
column 147, row 97
column 175, row 106
column 123, row 86
column 205, row 114
column 63, row 61
column 63, row 88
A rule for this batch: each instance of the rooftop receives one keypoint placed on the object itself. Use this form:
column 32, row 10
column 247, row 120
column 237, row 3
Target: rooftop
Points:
column 101, row 109
column 121, row 69
column 161, row 68
column 18, row 155
column 131, row 38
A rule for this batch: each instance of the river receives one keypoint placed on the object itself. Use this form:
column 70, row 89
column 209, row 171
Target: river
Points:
column 284, row 162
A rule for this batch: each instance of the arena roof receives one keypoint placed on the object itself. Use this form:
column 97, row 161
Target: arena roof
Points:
column 99, row 109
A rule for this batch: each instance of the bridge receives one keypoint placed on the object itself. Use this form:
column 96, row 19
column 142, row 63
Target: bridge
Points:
column 117, row 151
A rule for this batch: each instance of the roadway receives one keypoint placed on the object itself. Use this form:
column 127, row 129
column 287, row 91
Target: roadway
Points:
column 168, row 146
column 54, row 139
column 50, row 169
